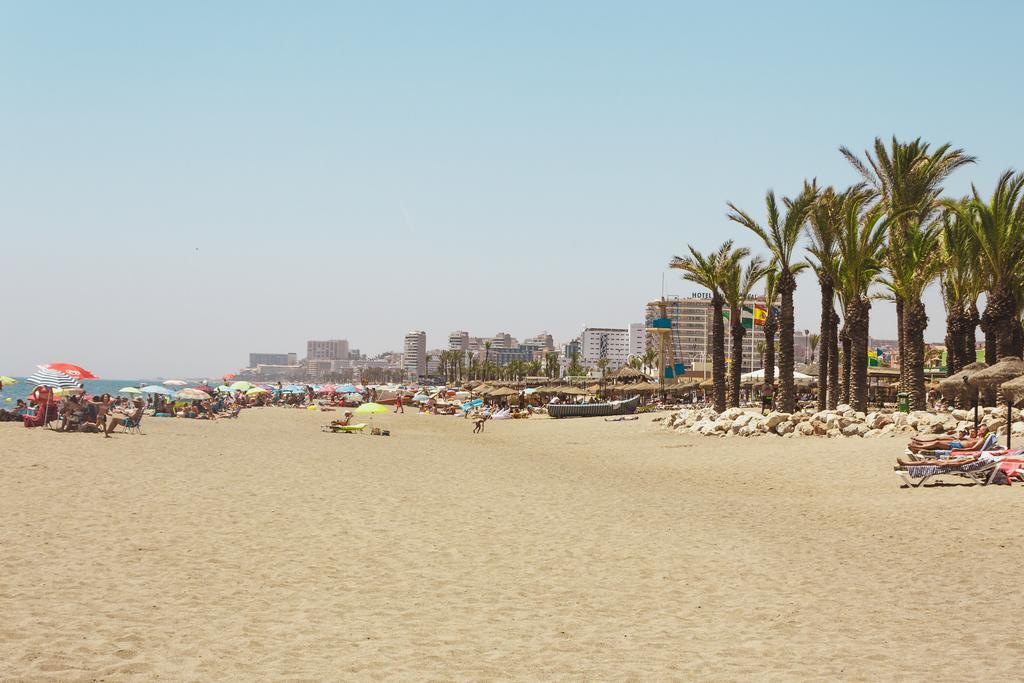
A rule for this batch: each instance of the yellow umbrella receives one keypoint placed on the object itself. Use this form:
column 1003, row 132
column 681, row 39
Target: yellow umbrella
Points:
column 4, row 379
column 372, row 408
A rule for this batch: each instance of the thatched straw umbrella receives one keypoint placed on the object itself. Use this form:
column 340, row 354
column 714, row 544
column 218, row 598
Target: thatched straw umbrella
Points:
column 1008, row 367
column 1013, row 390
column 626, row 372
column 957, row 388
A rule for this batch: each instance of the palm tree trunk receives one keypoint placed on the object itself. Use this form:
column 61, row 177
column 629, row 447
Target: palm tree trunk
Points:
column 770, row 327
column 1002, row 314
column 1018, row 337
column 901, row 343
column 787, row 394
column 915, row 321
column 844, row 336
column 824, row 338
column 833, row 362
column 718, row 353
column 955, row 325
column 988, row 328
column 857, row 313
column 736, row 369
column 969, row 343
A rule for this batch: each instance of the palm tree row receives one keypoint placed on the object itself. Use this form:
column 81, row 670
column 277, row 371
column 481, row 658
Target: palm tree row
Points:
column 889, row 237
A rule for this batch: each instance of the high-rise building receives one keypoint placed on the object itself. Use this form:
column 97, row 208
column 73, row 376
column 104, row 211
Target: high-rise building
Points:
column 333, row 349
column 458, row 341
column 691, row 319
column 637, row 339
column 503, row 340
column 272, row 359
column 414, row 354
column 604, row 342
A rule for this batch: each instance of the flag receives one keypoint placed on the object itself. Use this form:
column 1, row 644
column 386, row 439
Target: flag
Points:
column 747, row 317
column 872, row 359
column 760, row 314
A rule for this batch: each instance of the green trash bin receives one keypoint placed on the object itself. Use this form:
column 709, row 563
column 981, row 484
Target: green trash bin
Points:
column 903, row 402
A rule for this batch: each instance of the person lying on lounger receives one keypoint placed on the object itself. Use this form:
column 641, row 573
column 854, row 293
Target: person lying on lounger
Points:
column 344, row 421
column 969, row 443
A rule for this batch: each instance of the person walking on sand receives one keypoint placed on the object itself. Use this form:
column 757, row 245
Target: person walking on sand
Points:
column 398, row 404
column 478, row 421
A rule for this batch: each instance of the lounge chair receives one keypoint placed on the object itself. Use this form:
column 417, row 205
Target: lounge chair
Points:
column 345, row 429
column 980, row 471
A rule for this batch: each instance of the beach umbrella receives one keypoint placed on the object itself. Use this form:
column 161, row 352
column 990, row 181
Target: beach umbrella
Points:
column 174, row 383
column 192, row 395
column 70, row 370
column 1013, row 390
column 204, row 387
column 346, row 389
column 256, row 390
column 956, row 385
column 129, row 390
column 501, row 392
column 372, row 408
column 420, row 398
column 241, row 386
column 994, row 376
column 52, row 378
column 68, row 391
column 293, row 389
column 224, row 389
column 228, row 376
column 157, row 389
column 4, row 379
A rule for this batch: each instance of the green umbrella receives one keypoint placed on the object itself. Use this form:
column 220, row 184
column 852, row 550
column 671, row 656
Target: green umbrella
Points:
column 4, row 379
column 241, row 386
column 372, row 408
column 129, row 390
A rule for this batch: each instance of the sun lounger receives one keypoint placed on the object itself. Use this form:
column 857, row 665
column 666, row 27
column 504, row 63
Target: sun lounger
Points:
column 979, row 471
column 346, row 429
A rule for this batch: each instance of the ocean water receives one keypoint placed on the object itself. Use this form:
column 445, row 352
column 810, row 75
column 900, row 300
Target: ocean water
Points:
column 92, row 386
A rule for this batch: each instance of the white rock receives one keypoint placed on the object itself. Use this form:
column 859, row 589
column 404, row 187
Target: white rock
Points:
column 843, row 408
column 785, row 427
column 1017, row 428
column 851, row 429
column 774, row 419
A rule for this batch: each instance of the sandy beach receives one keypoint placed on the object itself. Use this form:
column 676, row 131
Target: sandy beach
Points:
column 262, row 548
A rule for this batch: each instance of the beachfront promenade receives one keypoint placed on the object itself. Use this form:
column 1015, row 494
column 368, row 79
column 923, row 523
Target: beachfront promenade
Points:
column 263, row 548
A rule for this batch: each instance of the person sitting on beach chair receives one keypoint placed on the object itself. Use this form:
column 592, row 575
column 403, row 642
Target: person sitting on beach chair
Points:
column 130, row 421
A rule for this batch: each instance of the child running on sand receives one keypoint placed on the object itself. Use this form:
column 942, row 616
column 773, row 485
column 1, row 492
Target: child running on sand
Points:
column 479, row 418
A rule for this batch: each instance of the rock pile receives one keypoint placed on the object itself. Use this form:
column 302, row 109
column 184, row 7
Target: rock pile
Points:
column 844, row 421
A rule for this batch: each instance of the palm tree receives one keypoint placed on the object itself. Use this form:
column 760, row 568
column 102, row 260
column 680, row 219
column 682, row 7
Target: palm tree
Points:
column 707, row 271
column 861, row 240
column 737, row 287
column 961, row 284
column 814, row 340
column 823, row 220
column 650, row 360
column 998, row 227
column 780, row 236
column 574, row 369
column 760, row 348
column 771, row 323
column 551, row 368
column 908, row 179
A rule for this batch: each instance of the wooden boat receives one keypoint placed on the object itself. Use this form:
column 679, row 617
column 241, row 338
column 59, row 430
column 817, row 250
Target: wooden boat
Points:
column 624, row 407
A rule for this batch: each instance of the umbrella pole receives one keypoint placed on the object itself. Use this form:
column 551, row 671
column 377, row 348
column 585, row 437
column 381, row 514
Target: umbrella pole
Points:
column 1009, row 422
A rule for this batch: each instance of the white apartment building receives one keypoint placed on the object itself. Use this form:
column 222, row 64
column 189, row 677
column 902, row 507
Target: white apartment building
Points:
column 637, row 339
column 692, row 319
column 414, row 353
column 458, row 341
column 604, row 342
column 332, row 349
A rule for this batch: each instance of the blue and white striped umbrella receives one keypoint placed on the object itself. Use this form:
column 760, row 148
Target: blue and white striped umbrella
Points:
column 51, row 378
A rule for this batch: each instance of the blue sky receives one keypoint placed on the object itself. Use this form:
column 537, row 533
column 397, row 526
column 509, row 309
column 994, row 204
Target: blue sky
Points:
column 183, row 183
